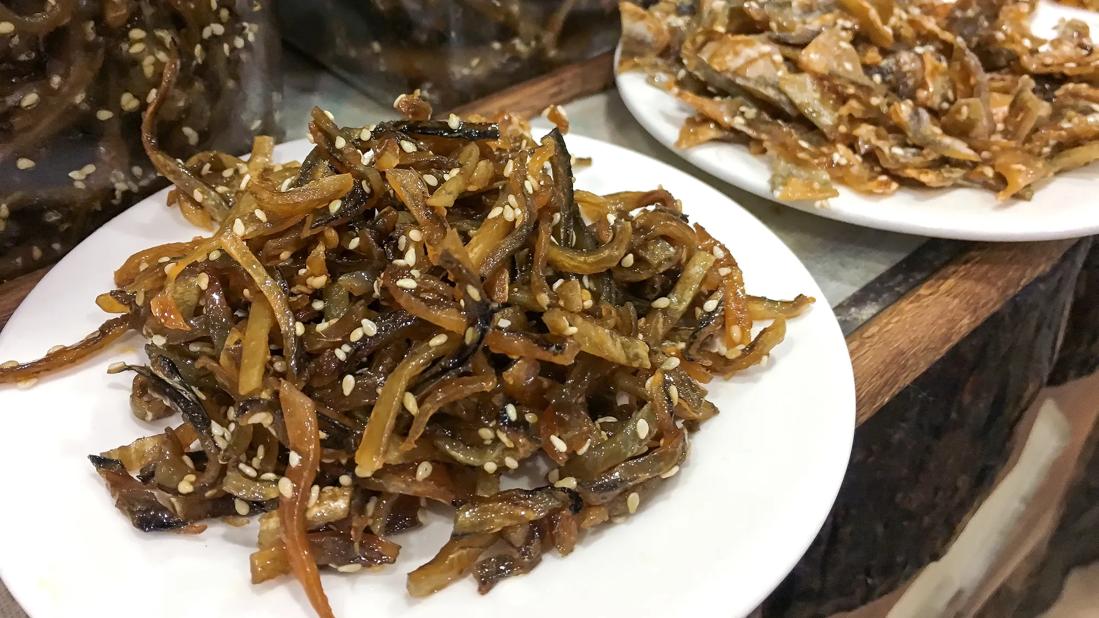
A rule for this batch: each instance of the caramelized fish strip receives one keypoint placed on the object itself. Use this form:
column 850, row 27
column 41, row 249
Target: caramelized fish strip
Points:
column 271, row 290
column 300, row 415
column 371, row 451
column 591, row 261
column 69, row 355
column 598, row 340
column 453, row 561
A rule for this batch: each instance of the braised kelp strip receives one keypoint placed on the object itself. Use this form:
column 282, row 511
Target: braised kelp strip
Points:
column 419, row 309
column 877, row 94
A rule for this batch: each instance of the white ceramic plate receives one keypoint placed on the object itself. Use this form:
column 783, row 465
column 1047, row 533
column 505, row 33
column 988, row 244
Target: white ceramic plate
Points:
column 1059, row 208
column 753, row 493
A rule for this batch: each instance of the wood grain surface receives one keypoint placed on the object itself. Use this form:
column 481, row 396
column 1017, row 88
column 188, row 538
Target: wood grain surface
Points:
column 894, row 347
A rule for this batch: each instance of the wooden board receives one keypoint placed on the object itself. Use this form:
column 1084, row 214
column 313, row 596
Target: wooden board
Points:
column 899, row 344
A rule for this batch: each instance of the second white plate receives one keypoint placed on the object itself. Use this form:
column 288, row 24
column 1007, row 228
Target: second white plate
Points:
column 1061, row 208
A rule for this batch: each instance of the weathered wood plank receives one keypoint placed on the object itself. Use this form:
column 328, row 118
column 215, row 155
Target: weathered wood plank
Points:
column 904, row 340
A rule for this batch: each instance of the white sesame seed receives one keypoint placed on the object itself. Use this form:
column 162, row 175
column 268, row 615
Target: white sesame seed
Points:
column 490, row 467
column 670, row 363
column 356, row 334
column 508, row 167
column 584, row 448
column 203, row 281
column 558, row 443
column 262, row 216
column 495, row 212
column 334, row 206
column 24, row 163
column 294, row 459
column 543, row 299
column 569, row 482
column 349, row 568
column 340, row 354
column 409, row 401
column 453, row 121
column 406, row 283
column 247, row 470
column 6, row 27
column 238, row 227
column 24, row 384
column 242, row 508
column 416, row 235
column 197, row 195
column 339, row 142
column 512, row 201
column 611, row 218
column 670, row 472
column 185, row 486
column 128, row 101
column 661, row 302
column 423, row 470
column 642, row 428
column 317, row 282
column 353, row 243
column 369, row 327
column 299, row 329
column 104, row 114
column 29, row 100
column 503, row 323
column 408, row 146
column 345, row 480
column 431, row 180
column 437, row 340
column 347, row 385
column 627, row 260
column 632, row 502
column 286, row 487
column 709, row 305
column 673, row 393
column 159, row 340
column 513, row 414
column 531, row 417
column 511, row 463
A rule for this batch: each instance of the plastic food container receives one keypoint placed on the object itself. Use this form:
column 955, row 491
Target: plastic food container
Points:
column 452, row 50
column 75, row 77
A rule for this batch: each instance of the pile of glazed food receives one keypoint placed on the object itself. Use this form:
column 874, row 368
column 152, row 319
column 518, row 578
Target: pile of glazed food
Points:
column 875, row 94
column 417, row 309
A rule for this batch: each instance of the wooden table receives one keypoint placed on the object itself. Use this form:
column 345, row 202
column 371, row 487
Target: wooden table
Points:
column 950, row 343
